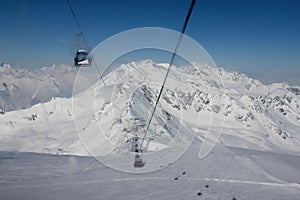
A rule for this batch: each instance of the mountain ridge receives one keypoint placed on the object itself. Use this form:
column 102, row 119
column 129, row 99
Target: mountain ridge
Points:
column 256, row 116
column 21, row 88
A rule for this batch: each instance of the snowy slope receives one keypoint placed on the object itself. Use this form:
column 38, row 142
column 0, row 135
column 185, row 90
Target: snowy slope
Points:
column 256, row 156
column 21, row 88
column 257, row 116
column 226, row 174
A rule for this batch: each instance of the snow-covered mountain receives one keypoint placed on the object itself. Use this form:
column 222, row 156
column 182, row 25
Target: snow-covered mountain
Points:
column 255, row 116
column 21, row 88
column 256, row 156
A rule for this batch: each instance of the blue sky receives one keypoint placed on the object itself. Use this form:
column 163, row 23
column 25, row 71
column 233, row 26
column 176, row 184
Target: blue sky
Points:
column 257, row 37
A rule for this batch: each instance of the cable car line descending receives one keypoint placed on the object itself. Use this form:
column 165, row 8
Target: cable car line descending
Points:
column 169, row 67
column 83, row 61
column 77, row 23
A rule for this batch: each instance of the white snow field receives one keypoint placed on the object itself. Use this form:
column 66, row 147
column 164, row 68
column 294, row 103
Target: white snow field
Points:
column 224, row 174
column 257, row 155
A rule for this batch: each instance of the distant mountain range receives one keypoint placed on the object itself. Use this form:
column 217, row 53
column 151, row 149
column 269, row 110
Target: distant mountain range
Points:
column 22, row 88
column 196, row 99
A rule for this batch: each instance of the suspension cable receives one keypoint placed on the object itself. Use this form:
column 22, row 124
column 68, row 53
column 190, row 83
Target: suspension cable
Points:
column 84, row 39
column 77, row 23
column 101, row 77
column 169, row 67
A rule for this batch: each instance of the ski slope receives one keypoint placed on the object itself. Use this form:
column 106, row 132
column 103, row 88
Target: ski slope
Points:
column 225, row 174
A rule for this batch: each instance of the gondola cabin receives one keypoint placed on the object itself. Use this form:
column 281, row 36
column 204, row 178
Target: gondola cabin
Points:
column 138, row 161
column 81, row 58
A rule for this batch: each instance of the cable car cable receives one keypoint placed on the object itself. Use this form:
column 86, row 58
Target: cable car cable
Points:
column 169, row 67
column 83, row 37
column 101, row 77
column 77, row 23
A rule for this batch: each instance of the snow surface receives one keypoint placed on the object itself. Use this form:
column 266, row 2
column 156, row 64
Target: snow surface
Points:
column 257, row 155
column 225, row 174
